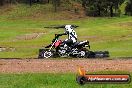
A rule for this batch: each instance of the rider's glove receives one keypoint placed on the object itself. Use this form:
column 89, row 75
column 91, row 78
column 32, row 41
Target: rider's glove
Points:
column 53, row 40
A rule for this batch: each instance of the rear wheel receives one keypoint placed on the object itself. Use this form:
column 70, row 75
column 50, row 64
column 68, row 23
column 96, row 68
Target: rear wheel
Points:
column 82, row 54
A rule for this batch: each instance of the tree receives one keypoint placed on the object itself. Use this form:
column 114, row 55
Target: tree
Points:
column 101, row 7
column 30, row 2
column 114, row 5
column 128, row 8
column 56, row 3
column 1, row 2
column 111, row 9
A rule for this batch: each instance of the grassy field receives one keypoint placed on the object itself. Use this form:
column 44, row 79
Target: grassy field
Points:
column 45, row 80
column 22, row 33
column 18, row 28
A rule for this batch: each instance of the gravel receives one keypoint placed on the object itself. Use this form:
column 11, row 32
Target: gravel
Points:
column 63, row 66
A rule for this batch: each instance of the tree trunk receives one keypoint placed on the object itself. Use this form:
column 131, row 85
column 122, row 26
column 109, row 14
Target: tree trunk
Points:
column 56, row 3
column 55, row 6
column 111, row 10
column 1, row 2
column 84, row 4
column 10, row 1
column 30, row 2
column 99, row 10
column 38, row 1
column 48, row 1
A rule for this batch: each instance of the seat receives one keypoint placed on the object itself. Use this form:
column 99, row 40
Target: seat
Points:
column 75, row 44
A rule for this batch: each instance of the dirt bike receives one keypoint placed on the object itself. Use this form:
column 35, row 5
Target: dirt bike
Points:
column 77, row 50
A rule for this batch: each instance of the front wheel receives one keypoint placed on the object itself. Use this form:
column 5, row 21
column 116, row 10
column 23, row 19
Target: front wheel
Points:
column 47, row 54
column 44, row 53
column 83, row 53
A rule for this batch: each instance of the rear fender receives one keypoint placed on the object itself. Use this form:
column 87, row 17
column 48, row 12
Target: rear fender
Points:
column 84, row 44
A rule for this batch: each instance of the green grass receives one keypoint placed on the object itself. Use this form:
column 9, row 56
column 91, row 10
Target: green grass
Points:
column 51, row 80
column 112, row 34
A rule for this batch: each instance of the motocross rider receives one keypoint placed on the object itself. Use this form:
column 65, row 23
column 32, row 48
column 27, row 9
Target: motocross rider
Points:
column 72, row 36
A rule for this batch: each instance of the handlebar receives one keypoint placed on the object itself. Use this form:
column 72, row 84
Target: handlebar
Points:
column 56, row 36
column 75, row 26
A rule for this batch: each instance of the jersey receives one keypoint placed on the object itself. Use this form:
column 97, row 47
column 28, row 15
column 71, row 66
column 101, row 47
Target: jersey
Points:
column 71, row 33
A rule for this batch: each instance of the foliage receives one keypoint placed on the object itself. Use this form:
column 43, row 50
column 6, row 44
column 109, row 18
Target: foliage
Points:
column 102, row 7
column 91, row 7
column 128, row 9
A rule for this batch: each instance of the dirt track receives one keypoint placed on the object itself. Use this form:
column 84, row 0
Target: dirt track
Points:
column 56, row 66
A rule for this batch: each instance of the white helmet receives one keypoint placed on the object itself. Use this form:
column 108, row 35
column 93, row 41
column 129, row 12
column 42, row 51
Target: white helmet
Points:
column 68, row 28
